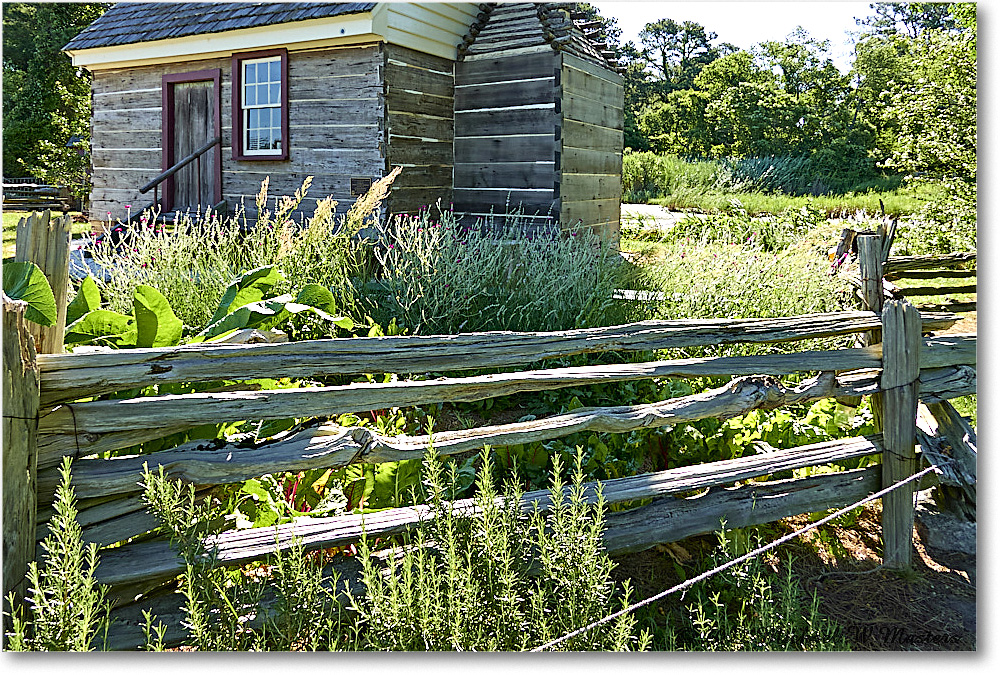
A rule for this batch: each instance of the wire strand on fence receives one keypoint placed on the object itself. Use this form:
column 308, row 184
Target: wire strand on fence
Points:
column 735, row 561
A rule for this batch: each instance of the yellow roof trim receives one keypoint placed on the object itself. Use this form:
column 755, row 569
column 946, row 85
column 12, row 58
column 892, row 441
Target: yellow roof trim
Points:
column 387, row 22
column 350, row 28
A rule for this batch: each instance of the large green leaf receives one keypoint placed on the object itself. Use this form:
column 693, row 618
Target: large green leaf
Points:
column 156, row 323
column 320, row 301
column 263, row 315
column 87, row 299
column 250, row 287
column 317, row 296
column 24, row 281
column 102, row 326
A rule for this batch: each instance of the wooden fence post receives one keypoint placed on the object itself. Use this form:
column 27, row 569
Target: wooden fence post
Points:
column 870, row 262
column 44, row 240
column 900, row 373
column 20, row 452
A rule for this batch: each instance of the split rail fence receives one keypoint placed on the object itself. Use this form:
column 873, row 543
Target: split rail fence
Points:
column 53, row 409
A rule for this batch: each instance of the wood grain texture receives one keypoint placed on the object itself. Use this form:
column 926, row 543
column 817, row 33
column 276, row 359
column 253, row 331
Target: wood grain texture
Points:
column 539, row 147
column 961, row 436
column 506, row 93
column 583, row 109
column 590, row 213
column 43, row 238
column 580, row 83
column 938, row 290
column 901, row 368
column 71, row 376
column 500, row 121
column 540, row 64
column 20, row 423
column 592, row 137
column 503, row 200
column 586, row 188
column 155, row 560
column 155, row 412
column 669, row 519
column 575, row 62
column 332, row 446
column 505, row 174
column 941, row 384
column 582, row 160
column 932, row 274
column 897, row 264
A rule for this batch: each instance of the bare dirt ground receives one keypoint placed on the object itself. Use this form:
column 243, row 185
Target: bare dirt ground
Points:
column 931, row 608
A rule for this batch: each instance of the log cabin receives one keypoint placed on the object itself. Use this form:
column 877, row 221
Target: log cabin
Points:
column 490, row 108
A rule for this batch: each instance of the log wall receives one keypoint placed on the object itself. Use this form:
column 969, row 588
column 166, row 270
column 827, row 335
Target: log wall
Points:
column 420, row 99
column 590, row 187
column 506, row 126
column 336, row 120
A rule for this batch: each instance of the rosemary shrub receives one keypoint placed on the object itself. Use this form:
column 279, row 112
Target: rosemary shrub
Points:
column 67, row 607
column 492, row 577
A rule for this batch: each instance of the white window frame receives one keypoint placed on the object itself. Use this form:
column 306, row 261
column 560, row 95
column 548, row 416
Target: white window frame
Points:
column 245, row 108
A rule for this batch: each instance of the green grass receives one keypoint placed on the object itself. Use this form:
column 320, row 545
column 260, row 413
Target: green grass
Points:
column 899, row 202
column 11, row 219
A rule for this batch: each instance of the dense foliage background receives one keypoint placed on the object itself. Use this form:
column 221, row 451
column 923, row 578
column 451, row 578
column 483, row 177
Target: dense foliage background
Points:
column 46, row 101
column 908, row 104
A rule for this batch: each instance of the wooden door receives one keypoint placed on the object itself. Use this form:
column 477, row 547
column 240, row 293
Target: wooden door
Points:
column 192, row 119
column 194, row 125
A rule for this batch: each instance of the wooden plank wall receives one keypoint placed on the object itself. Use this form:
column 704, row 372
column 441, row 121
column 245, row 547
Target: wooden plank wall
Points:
column 505, row 134
column 126, row 138
column 336, row 129
column 336, row 120
column 591, row 154
column 420, row 99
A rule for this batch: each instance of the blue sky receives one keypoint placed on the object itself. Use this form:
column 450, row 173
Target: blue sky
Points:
column 747, row 23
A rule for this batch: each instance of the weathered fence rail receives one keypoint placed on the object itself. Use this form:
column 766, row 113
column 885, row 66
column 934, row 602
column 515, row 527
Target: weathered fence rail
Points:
column 897, row 368
column 919, row 267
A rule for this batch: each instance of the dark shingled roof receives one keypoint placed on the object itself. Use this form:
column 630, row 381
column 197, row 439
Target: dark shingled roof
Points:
column 131, row 22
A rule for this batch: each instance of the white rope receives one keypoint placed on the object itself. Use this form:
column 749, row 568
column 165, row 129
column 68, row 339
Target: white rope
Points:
column 737, row 561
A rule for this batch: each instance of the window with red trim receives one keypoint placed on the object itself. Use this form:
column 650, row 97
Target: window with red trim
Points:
column 260, row 105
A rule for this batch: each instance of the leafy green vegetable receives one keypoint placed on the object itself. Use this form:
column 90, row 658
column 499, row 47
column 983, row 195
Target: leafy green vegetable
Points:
column 87, row 299
column 155, row 321
column 24, row 281
column 103, row 326
column 317, row 296
column 250, row 287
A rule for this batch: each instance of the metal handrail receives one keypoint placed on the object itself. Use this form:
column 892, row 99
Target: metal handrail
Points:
column 180, row 165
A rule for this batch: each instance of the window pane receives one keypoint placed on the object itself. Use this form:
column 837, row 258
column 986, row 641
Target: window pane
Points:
column 249, row 73
column 261, row 72
column 253, row 140
column 254, row 118
column 276, row 118
column 262, row 94
column 275, row 70
column 275, row 93
column 250, row 98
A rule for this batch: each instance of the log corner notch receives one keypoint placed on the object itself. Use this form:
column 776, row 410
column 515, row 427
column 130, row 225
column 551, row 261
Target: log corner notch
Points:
column 20, row 451
column 900, row 375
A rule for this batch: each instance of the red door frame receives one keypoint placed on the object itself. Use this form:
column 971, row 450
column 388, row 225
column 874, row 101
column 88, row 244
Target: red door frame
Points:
column 169, row 80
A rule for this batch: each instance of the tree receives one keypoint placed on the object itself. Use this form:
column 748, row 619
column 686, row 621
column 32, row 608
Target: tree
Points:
column 46, row 101
column 909, row 18
column 676, row 52
column 677, row 125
